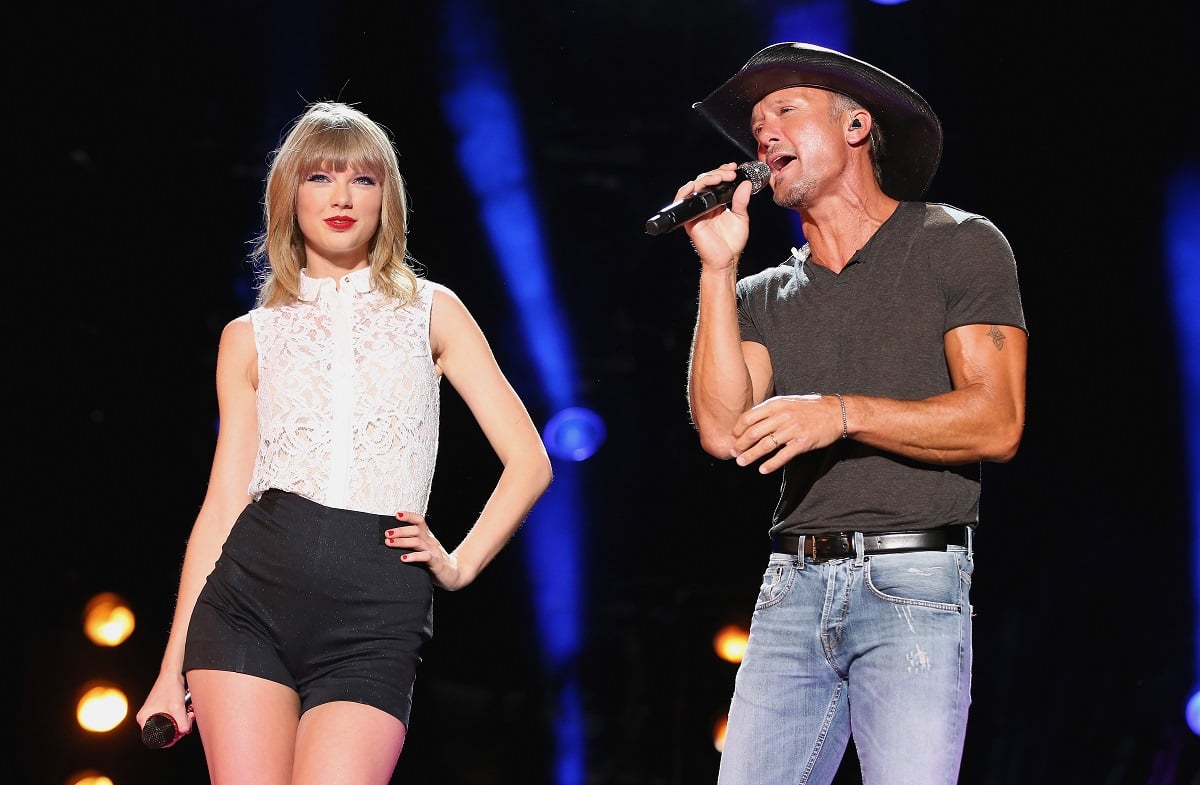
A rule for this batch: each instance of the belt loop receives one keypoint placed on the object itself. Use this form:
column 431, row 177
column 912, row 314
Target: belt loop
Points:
column 970, row 541
column 859, row 548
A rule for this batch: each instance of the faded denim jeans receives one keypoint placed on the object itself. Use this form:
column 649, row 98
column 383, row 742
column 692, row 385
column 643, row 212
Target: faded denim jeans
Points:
column 877, row 648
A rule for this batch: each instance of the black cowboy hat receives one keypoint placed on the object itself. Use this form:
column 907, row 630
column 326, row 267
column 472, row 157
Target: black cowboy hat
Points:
column 912, row 131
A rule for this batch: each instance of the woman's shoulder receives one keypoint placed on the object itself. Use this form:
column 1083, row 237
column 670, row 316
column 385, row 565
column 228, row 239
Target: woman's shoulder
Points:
column 238, row 334
column 240, row 324
column 440, row 294
column 433, row 286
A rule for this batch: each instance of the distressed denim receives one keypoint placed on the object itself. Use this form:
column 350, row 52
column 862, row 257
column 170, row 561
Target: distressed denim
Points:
column 877, row 648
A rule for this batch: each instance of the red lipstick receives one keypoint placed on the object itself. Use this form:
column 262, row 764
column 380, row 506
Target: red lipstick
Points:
column 340, row 223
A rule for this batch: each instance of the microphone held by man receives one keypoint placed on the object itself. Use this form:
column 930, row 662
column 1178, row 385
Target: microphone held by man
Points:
column 678, row 213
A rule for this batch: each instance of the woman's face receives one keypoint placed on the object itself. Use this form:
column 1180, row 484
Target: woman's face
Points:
column 338, row 213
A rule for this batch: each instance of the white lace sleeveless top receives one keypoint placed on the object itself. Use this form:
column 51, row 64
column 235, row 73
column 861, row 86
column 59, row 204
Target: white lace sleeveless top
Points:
column 348, row 397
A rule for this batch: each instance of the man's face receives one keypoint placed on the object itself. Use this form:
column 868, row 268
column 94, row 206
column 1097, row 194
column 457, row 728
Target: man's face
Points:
column 801, row 140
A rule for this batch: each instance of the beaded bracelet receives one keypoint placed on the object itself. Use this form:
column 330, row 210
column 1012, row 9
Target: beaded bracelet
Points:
column 845, row 425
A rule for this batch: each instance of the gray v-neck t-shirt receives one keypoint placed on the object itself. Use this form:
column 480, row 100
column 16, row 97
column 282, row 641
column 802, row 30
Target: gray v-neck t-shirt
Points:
column 877, row 328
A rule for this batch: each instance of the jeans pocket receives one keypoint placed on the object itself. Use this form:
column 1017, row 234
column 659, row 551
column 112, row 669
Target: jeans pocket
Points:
column 777, row 580
column 932, row 579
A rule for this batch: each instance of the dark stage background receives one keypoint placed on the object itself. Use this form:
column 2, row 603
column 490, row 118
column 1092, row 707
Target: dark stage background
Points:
column 150, row 124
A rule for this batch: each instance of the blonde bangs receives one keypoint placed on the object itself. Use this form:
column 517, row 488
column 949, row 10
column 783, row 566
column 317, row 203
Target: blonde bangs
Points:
column 336, row 142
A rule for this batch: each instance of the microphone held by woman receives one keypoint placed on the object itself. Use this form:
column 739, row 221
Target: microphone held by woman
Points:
column 161, row 730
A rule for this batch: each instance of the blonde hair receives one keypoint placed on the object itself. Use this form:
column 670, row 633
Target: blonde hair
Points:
column 336, row 136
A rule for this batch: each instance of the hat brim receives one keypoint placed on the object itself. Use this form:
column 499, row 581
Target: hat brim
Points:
column 910, row 127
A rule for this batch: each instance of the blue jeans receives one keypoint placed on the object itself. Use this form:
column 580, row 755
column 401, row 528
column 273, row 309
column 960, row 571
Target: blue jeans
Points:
column 878, row 647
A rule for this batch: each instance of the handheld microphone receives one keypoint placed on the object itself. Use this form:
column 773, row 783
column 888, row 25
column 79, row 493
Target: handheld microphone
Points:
column 678, row 213
column 161, row 730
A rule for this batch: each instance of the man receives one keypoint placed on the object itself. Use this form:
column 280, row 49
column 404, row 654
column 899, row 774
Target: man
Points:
column 876, row 368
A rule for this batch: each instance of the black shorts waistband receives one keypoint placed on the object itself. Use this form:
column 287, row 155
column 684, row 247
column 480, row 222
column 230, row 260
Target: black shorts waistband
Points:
column 274, row 501
column 840, row 545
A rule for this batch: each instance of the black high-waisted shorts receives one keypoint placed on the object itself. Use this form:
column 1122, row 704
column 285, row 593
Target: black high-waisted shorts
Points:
column 309, row 596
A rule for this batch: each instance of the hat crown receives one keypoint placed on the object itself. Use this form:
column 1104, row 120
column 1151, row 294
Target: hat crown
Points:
column 908, row 122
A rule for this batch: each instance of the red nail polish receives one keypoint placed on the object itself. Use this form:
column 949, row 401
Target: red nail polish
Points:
column 399, row 515
column 389, row 533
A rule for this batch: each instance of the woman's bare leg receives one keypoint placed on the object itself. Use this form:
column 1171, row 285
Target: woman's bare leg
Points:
column 346, row 743
column 247, row 725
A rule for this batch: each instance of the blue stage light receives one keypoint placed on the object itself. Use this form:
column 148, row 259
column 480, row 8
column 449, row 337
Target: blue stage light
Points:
column 574, row 434
column 1182, row 237
column 483, row 112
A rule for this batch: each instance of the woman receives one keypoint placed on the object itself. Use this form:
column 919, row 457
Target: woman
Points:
column 306, row 590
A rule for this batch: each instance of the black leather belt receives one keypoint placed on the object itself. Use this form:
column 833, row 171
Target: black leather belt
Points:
column 840, row 545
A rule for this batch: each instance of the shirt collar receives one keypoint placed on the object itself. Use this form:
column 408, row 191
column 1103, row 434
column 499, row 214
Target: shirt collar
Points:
column 313, row 288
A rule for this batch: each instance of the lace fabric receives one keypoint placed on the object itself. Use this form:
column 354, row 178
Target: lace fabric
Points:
column 348, row 398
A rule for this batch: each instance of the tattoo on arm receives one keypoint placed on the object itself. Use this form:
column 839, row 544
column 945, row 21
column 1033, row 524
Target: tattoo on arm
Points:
column 997, row 337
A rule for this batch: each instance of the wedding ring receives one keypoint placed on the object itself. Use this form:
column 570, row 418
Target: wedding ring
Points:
column 773, row 439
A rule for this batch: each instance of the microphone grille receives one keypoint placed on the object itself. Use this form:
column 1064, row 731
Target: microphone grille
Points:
column 757, row 173
column 160, row 731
